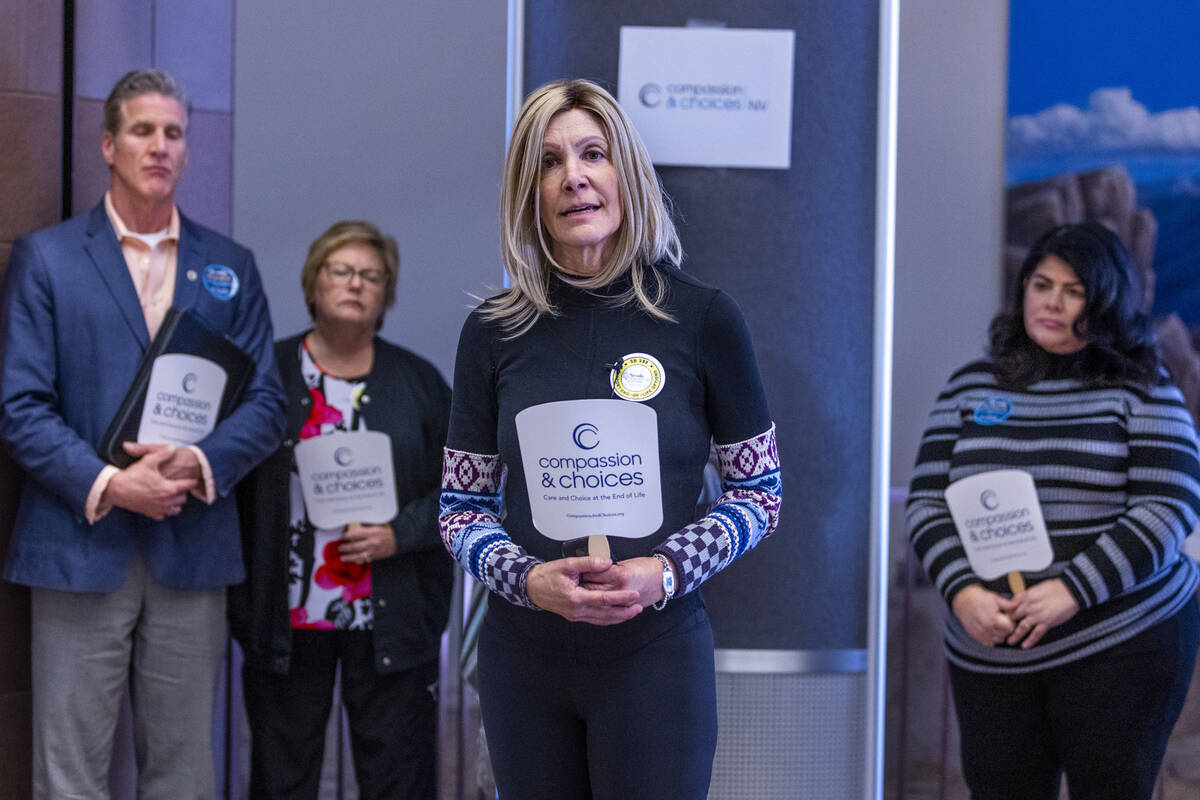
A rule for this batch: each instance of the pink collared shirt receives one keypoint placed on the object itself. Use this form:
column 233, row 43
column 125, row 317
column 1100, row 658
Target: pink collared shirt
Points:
column 152, row 260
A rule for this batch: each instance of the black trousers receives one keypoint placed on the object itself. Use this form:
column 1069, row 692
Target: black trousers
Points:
column 393, row 721
column 1104, row 720
column 643, row 725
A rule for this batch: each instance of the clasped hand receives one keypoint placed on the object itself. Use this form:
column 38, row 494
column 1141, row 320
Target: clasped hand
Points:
column 362, row 543
column 157, row 483
column 596, row 590
column 991, row 618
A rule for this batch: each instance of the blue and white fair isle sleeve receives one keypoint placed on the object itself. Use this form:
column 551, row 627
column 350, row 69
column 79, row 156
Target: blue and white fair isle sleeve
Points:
column 469, row 519
column 746, row 512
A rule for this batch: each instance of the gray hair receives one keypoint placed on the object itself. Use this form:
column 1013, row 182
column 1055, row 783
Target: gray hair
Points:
column 139, row 82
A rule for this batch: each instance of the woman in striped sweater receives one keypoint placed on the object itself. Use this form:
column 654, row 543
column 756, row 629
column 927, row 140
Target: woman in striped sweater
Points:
column 1084, row 673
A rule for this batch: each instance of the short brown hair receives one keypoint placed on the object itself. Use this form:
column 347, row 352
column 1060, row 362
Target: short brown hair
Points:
column 339, row 235
column 139, row 82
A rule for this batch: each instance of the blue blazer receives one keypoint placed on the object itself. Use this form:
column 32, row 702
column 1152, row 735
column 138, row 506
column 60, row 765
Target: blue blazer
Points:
column 73, row 334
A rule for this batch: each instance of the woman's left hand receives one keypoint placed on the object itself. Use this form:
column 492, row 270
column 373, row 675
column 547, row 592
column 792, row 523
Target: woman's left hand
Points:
column 642, row 575
column 362, row 544
column 1040, row 608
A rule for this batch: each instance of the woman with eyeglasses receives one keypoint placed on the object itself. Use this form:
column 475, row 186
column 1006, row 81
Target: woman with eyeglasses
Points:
column 372, row 599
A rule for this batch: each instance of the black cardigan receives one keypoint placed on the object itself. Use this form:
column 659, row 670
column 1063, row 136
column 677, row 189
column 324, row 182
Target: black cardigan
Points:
column 409, row 401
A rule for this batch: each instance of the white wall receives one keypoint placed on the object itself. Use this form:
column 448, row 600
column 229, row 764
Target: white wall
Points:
column 949, row 204
column 385, row 110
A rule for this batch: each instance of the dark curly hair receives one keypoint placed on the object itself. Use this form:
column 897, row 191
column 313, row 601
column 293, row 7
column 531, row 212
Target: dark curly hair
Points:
column 1120, row 344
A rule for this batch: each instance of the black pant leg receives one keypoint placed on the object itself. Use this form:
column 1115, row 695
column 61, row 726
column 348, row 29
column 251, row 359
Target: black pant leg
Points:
column 1005, row 736
column 393, row 723
column 535, row 733
column 652, row 718
column 288, row 714
column 571, row 726
column 1114, row 711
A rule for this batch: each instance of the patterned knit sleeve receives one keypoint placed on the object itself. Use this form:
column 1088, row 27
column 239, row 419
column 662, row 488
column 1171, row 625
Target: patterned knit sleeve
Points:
column 470, row 509
column 470, row 523
column 930, row 527
column 1163, row 507
column 746, row 512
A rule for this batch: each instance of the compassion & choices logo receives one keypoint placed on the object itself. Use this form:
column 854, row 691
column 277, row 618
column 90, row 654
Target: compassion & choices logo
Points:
column 593, row 471
column 728, row 97
column 586, row 432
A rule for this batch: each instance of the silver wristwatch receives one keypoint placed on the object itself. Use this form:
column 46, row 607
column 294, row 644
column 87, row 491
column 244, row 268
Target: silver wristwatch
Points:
column 668, row 582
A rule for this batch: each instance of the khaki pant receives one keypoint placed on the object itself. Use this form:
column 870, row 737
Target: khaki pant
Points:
column 166, row 646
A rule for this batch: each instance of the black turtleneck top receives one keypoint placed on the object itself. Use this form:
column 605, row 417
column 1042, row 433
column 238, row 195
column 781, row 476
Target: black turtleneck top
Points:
column 711, row 391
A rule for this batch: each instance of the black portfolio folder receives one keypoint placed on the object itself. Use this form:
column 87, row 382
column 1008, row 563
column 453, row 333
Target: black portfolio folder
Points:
column 182, row 331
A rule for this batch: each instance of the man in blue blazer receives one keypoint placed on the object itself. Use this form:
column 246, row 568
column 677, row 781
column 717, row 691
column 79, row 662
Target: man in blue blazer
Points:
column 128, row 567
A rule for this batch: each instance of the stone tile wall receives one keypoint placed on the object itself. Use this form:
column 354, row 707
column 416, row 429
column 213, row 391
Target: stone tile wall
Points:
column 30, row 172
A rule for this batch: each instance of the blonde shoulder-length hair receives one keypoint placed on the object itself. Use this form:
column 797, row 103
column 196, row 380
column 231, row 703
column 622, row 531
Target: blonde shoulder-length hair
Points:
column 646, row 235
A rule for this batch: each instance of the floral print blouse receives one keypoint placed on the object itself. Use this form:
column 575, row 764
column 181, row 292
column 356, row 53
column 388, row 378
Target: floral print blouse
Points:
column 324, row 592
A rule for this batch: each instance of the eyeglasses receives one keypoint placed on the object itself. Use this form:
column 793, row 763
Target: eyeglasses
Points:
column 344, row 273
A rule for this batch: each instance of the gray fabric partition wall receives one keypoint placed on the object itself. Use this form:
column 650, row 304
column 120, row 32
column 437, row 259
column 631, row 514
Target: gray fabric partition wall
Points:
column 795, row 248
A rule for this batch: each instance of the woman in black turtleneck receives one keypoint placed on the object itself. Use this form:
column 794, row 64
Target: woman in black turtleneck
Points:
column 596, row 673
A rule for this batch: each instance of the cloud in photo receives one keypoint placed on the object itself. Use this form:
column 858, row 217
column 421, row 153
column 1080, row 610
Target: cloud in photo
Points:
column 1113, row 120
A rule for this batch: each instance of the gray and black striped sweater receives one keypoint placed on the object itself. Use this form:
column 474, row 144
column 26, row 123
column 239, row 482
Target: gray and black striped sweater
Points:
column 1118, row 478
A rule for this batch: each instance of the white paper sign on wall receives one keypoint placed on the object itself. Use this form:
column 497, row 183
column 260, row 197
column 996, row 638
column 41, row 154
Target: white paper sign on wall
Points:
column 710, row 97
